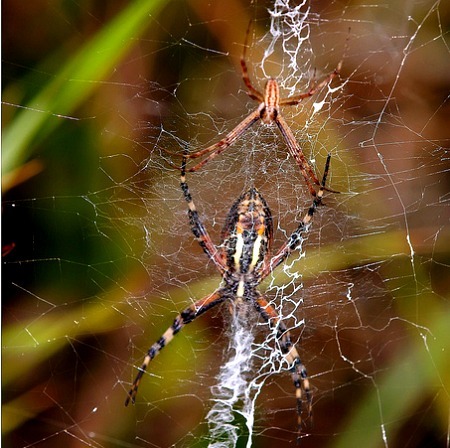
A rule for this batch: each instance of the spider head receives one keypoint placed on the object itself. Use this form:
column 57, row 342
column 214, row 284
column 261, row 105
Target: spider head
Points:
column 247, row 234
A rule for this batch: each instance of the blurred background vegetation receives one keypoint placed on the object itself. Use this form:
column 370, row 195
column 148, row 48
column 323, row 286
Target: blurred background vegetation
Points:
column 85, row 266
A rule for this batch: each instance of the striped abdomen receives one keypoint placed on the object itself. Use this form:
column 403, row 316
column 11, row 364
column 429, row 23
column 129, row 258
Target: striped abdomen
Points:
column 247, row 234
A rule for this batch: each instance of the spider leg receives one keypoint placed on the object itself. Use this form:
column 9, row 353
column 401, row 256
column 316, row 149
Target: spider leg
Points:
column 232, row 136
column 228, row 140
column 252, row 92
column 299, row 374
column 293, row 100
column 300, row 159
column 297, row 154
column 221, row 145
column 296, row 237
column 197, row 227
column 185, row 317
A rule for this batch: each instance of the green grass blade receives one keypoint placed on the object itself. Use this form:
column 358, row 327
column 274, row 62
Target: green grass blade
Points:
column 77, row 79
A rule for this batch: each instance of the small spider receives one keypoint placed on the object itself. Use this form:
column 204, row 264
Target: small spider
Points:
column 243, row 259
column 268, row 112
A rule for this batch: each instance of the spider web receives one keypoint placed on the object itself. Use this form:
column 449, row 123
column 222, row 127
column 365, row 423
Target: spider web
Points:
column 100, row 259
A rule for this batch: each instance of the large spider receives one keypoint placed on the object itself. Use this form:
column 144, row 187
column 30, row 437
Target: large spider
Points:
column 268, row 111
column 243, row 259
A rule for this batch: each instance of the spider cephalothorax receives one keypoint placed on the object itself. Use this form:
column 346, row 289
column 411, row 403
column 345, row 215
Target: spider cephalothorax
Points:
column 243, row 259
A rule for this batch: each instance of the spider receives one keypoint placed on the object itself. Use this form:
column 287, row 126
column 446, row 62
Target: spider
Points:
column 243, row 259
column 268, row 112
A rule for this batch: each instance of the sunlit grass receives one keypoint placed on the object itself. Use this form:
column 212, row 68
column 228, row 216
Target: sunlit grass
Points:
column 78, row 78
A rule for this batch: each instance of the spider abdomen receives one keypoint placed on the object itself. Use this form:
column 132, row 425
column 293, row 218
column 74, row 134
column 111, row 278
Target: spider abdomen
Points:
column 248, row 250
column 247, row 233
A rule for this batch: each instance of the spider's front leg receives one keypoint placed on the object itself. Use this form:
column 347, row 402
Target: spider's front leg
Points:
column 217, row 148
column 299, row 157
column 197, row 227
column 298, row 371
column 295, row 239
column 185, row 317
column 252, row 92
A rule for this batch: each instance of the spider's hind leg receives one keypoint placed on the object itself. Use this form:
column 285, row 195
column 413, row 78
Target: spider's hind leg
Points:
column 298, row 370
column 185, row 317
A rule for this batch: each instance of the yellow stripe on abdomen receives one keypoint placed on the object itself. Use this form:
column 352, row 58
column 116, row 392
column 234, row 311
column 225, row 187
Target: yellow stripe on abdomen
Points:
column 256, row 252
column 238, row 251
